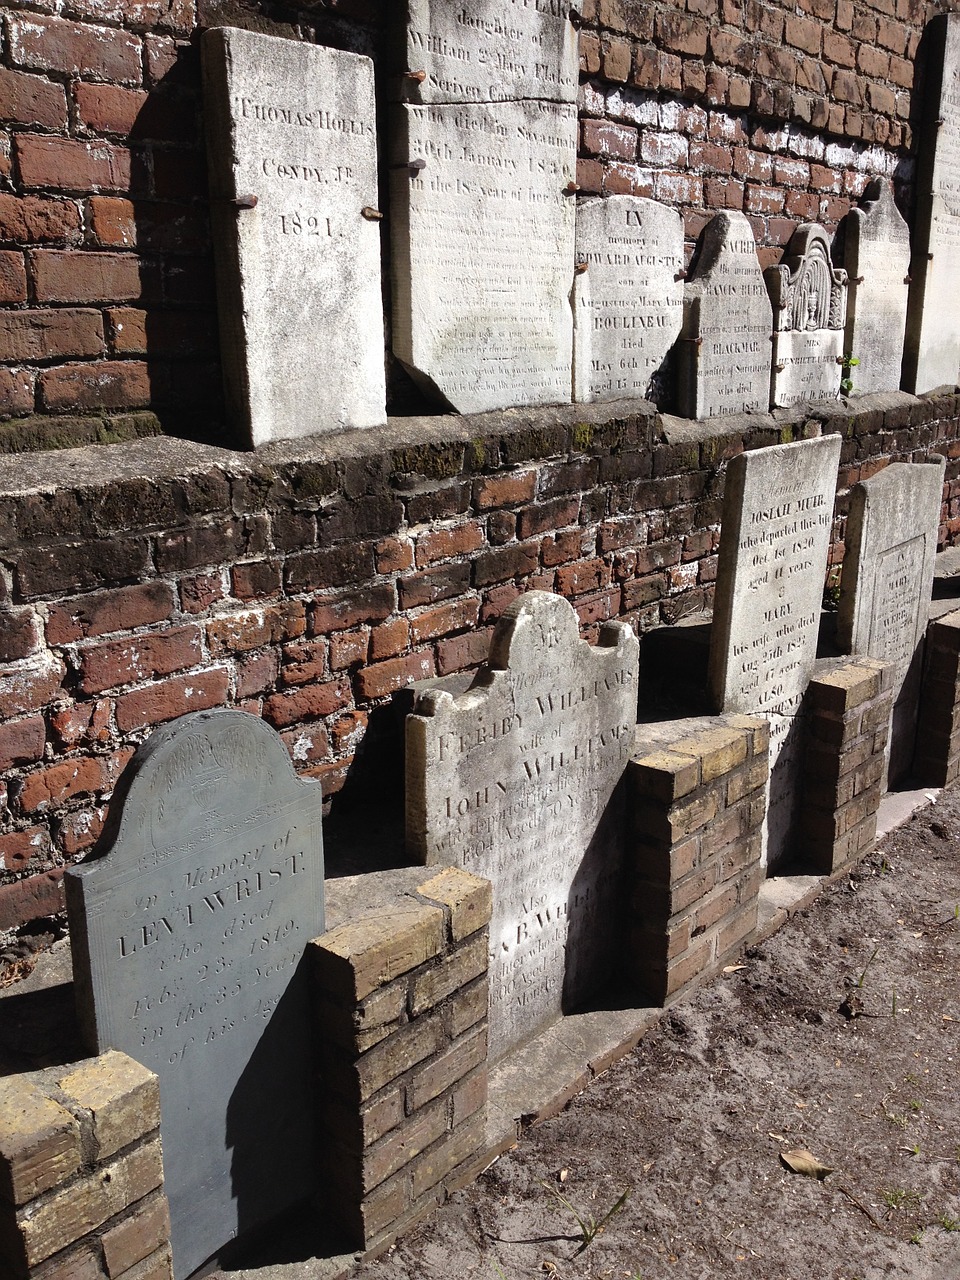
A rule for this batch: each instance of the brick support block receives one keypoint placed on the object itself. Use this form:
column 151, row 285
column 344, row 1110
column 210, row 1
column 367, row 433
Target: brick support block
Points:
column 937, row 760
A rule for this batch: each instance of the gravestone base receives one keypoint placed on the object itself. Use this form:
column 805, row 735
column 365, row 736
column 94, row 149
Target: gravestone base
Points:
column 697, row 800
column 937, row 759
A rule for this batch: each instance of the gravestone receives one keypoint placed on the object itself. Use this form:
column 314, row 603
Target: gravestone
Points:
column 724, row 351
column 932, row 354
column 891, row 547
column 775, row 537
column 809, row 307
column 188, row 938
column 876, row 256
column 516, row 780
column 628, row 295
column 292, row 146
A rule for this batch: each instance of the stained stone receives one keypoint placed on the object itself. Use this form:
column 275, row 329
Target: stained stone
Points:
column 483, row 245
column 809, row 306
column 876, row 255
column 188, row 938
column 291, row 126
column 488, row 51
column 932, row 355
column 891, row 546
column 775, row 537
column 628, row 295
column 724, row 352
column 516, row 780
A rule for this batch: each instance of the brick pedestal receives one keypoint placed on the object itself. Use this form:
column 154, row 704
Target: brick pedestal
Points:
column 937, row 759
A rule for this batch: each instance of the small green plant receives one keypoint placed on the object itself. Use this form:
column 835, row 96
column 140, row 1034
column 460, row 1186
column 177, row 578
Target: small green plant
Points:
column 860, row 980
column 917, row 1237
column 900, row 1198
column 846, row 382
column 948, row 1223
column 915, row 1104
column 590, row 1227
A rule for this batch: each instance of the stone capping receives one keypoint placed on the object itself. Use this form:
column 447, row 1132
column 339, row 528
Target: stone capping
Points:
column 937, row 760
column 81, row 1175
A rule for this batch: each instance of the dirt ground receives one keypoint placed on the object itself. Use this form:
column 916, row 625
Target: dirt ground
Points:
column 840, row 1035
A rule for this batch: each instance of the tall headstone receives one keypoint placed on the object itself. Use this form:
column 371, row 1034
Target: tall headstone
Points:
column 809, row 308
column 483, row 167
column 775, row 537
column 932, row 354
column 188, row 940
column 876, row 256
column 891, row 547
column 627, row 295
column 516, row 780
column 724, row 351
column 291, row 140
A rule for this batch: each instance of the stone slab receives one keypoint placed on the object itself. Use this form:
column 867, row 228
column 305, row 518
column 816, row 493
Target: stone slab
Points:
column 932, row 354
column 483, row 247
column 488, row 51
column 188, row 941
column 516, row 780
column 891, row 548
column 876, row 257
column 627, row 296
column 298, row 274
column 775, row 537
column 809, row 308
column 724, row 354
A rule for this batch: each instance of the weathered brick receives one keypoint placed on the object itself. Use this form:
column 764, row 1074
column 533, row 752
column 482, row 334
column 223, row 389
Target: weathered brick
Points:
column 121, row 1097
column 389, row 638
column 143, row 657
column 23, row 900
column 69, row 276
column 454, row 972
column 41, row 335
column 67, row 164
column 39, row 1141
column 22, row 741
column 168, row 699
column 434, row 1078
column 355, row 959
column 106, row 384
column 54, row 785
column 13, row 277
column 75, row 567
column 136, row 1236
column 383, row 678
column 99, row 614
column 41, row 43
column 311, row 702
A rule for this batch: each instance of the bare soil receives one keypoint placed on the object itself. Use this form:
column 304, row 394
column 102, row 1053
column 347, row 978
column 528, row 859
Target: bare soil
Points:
column 840, row 1034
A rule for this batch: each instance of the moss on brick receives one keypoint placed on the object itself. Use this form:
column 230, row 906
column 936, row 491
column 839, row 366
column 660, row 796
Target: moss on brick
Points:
column 44, row 432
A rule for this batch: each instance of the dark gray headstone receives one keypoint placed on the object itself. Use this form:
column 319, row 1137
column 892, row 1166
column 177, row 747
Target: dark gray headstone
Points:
column 188, row 941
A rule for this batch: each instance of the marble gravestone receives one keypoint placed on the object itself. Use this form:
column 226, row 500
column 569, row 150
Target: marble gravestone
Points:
column 188, row 941
column 292, row 144
column 876, row 256
column 932, row 352
column 627, row 295
column 809, row 308
column 516, row 780
column 891, row 547
column 775, row 537
column 483, row 169
column 724, row 351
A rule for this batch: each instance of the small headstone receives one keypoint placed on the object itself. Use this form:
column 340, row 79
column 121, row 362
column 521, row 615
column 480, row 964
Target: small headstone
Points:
column 188, row 941
column 292, row 145
column 932, row 355
column 515, row 780
column 724, row 351
column 775, row 537
column 891, row 547
column 488, row 51
column 876, row 255
column 628, row 295
column 483, row 244
column 809, row 308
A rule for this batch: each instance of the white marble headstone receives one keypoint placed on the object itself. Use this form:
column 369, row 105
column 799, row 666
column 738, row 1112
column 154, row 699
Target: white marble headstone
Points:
column 809, row 307
column 724, row 351
column 515, row 780
column 188, row 941
column 292, row 148
column 628, row 295
column 774, row 542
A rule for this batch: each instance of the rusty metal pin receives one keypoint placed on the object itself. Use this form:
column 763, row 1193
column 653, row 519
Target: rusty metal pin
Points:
column 908, row 279
column 419, row 76
column 581, row 267
column 680, row 275
column 571, row 188
column 243, row 202
column 371, row 214
column 856, row 280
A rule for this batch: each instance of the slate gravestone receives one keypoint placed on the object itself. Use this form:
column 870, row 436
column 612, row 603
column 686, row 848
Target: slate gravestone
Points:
column 628, row 295
column 188, row 939
column 809, row 308
column 724, row 352
column 876, row 256
column 891, row 547
column 516, row 780
column 292, row 146
column 483, row 243
column 932, row 354
column 488, row 51
column 774, row 541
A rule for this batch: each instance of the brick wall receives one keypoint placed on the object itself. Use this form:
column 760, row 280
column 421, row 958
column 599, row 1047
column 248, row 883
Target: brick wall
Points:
column 142, row 583
column 937, row 759
column 107, row 303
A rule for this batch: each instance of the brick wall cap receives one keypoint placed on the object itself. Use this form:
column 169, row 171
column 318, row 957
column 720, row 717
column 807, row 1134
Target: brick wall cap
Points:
column 122, row 1097
column 469, row 899
column 39, row 1140
column 381, row 947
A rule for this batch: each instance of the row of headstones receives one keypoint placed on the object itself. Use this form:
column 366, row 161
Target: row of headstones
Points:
column 189, row 931
column 490, row 246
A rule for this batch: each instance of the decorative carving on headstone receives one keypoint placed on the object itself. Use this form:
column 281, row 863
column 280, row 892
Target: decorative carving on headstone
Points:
column 808, row 294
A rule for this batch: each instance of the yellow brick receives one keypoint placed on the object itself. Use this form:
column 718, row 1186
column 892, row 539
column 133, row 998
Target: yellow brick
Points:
column 137, row 1236
column 39, row 1141
column 719, row 750
column 469, row 898
column 358, row 957
column 450, row 975
column 123, row 1099
column 666, row 775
